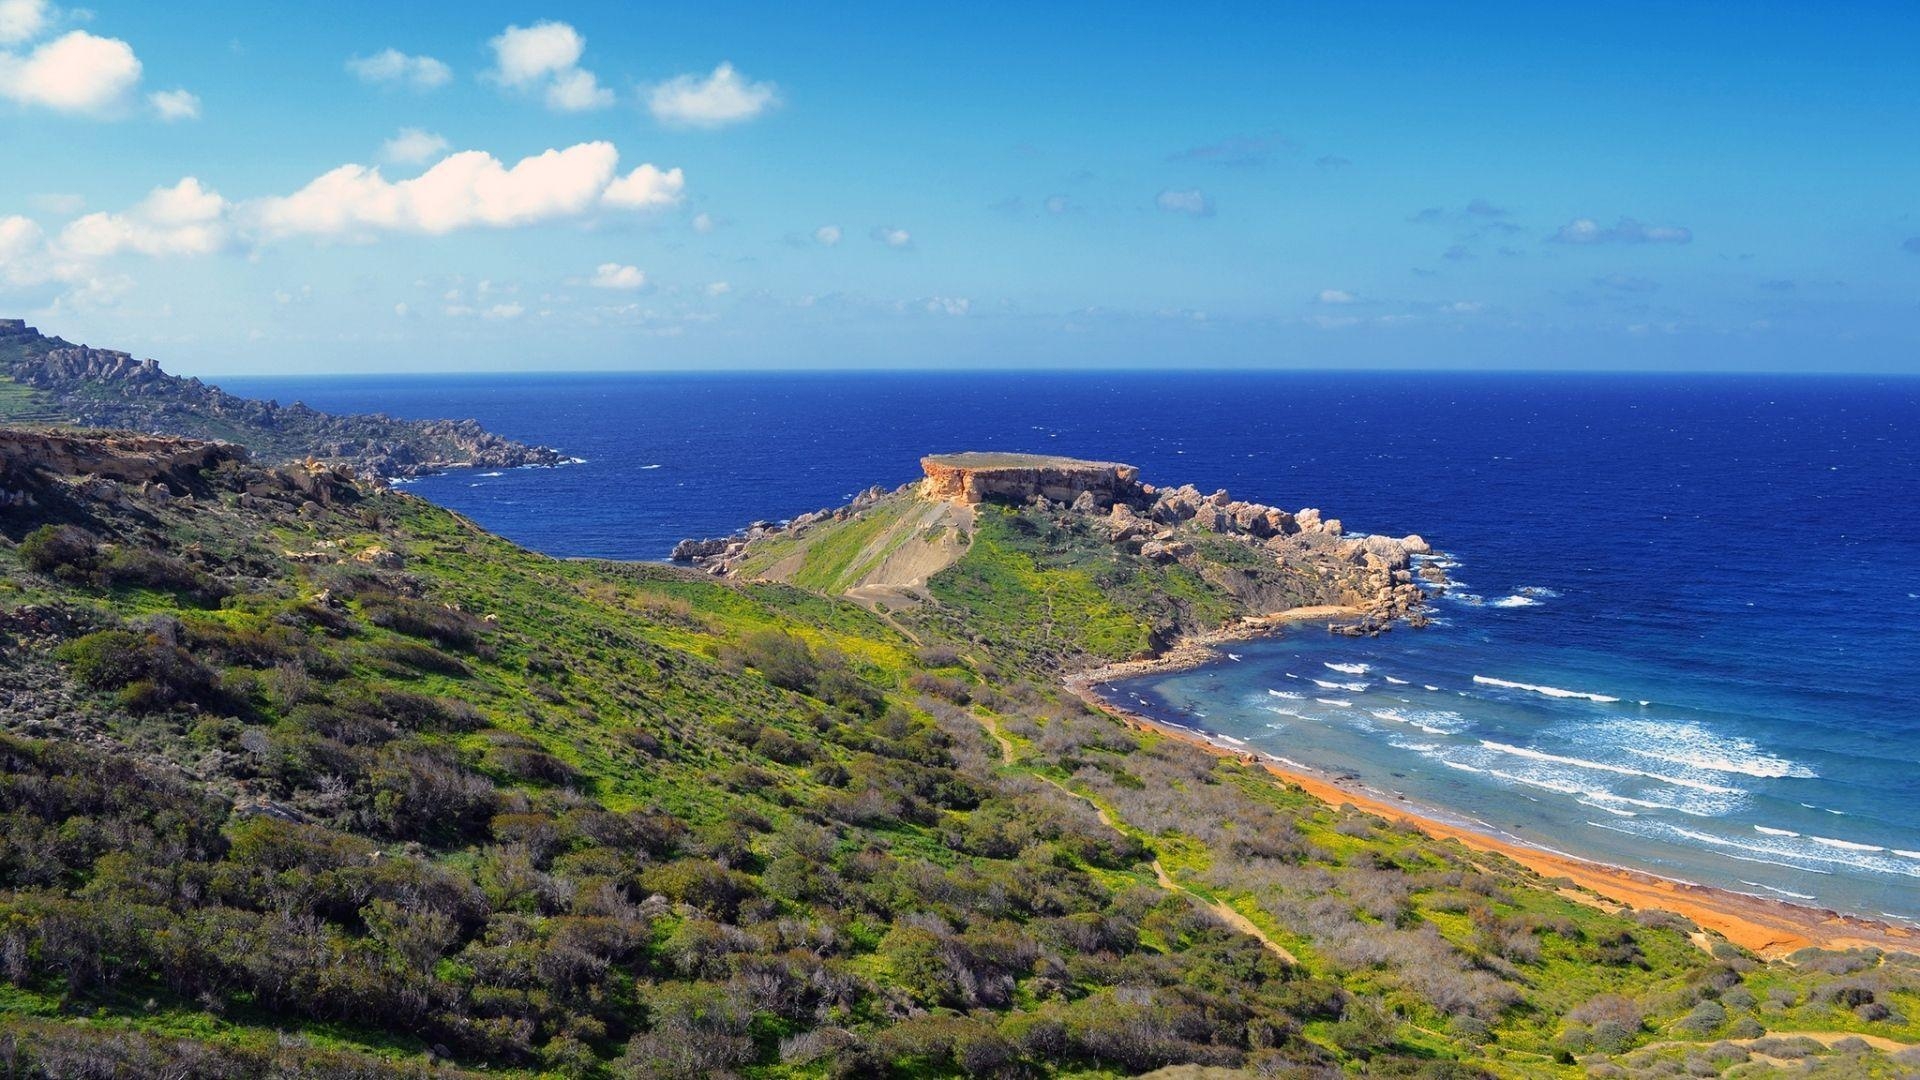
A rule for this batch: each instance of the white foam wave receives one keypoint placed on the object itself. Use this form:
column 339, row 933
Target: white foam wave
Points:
column 1602, row 766
column 1429, row 686
column 1770, row 831
column 1229, row 740
column 1461, row 765
column 1516, row 600
column 644, row 468
column 1394, row 681
column 493, row 474
column 1347, row 669
column 1694, row 746
column 1905, row 854
column 1337, row 703
column 1286, row 694
column 1235, row 657
column 1549, row 691
column 1349, row 687
column 1783, row 892
column 1845, row 845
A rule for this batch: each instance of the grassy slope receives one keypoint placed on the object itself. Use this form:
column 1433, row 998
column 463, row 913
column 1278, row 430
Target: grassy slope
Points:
column 901, row 846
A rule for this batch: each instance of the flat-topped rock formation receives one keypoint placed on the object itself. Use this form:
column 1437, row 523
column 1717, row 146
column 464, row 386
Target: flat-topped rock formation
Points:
column 974, row 477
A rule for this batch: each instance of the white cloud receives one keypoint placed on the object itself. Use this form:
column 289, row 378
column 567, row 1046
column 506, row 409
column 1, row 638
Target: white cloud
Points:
column 74, row 73
column 465, row 190
column 1624, row 231
column 718, row 288
column 547, row 55
column 827, row 235
column 616, row 276
column 21, row 20
column 577, row 91
column 704, row 223
column 185, row 219
column 646, row 188
column 413, row 146
column 949, row 305
column 172, row 105
column 503, row 311
column 1190, row 201
column 391, row 67
column 1337, row 296
column 19, row 238
column 724, row 97
column 892, row 237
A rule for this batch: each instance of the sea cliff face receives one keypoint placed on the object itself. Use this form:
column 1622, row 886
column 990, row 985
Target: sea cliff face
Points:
column 105, row 388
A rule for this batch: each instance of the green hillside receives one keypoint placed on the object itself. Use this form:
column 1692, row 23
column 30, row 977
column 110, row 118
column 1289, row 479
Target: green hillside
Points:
column 304, row 778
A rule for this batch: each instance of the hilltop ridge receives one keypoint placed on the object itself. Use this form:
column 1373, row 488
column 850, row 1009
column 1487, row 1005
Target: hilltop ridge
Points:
column 1165, row 563
column 51, row 382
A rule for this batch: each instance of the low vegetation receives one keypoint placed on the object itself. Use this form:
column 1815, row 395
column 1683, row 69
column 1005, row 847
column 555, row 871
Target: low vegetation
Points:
column 347, row 788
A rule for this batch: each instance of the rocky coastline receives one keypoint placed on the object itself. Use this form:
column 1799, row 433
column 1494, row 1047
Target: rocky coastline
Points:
column 82, row 387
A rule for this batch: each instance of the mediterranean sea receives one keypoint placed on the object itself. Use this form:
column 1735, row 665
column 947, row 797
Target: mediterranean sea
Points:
column 1686, row 638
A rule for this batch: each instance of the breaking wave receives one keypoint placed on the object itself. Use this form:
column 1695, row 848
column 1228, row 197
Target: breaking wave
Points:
column 1549, row 691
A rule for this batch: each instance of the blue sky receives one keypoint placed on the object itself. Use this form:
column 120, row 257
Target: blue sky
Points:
column 741, row 186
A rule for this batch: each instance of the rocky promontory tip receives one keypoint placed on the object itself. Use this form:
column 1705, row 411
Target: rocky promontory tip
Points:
column 77, row 386
column 1266, row 557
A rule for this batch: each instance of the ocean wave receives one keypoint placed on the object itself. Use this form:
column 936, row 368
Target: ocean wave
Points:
column 1337, row 703
column 1347, row 669
column 1695, row 746
column 1905, row 854
column 1429, row 686
column 1770, row 831
column 1603, row 766
column 1516, row 600
column 1862, row 857
column 1287, row 694
column 492, row 474
column 1467, row 598
column 1583, row 793
column 1845, row 845
column 1235, row 657
column 644, row 468
column 1229, row 740
column 1349, row 687
column 1394, row 681
column 1783, row 892
column 1461, row 765
column 1549, row 691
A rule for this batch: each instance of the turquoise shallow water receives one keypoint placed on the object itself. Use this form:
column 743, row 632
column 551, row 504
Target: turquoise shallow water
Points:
column 1741, row 554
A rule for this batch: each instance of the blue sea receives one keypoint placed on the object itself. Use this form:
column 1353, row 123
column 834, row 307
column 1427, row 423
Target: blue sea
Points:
column 1686, row 639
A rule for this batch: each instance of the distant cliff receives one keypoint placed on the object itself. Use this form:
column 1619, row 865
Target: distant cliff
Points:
column 54, row 382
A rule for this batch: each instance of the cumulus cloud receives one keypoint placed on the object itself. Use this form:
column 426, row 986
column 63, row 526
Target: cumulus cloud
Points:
column 546, row 57
column 1624, row 231
column 22, row 20
column 718, row 288
column 186, row 219
column 1191, row 201
column 827, row 235
column 391, row 67
column 1337, row 296
column 615, row 276
column 74, row 73
column 721, row 98
column 172, row 105
column 646, row 188
column 464, row 190
column 412, row 146
column 892, row 237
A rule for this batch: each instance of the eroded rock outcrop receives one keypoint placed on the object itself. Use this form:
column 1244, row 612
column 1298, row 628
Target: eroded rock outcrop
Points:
column 975, row 477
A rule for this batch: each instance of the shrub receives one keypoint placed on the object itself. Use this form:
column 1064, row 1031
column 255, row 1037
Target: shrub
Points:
column 67, row 552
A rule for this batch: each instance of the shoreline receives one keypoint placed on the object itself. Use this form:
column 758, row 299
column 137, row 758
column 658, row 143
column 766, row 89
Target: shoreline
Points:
column 1767, row 927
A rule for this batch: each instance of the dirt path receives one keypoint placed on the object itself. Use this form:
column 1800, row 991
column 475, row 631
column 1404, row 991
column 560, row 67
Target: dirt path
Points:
column 1222, row 910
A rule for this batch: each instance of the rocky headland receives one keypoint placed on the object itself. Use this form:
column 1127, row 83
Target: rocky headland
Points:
column 70, row 385
column 1268, row 559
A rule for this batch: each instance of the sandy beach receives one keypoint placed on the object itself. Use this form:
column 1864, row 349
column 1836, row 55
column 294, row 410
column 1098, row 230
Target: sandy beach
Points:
column 1769, row 928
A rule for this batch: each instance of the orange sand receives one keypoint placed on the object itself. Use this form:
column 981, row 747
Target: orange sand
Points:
column 1769, row 928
